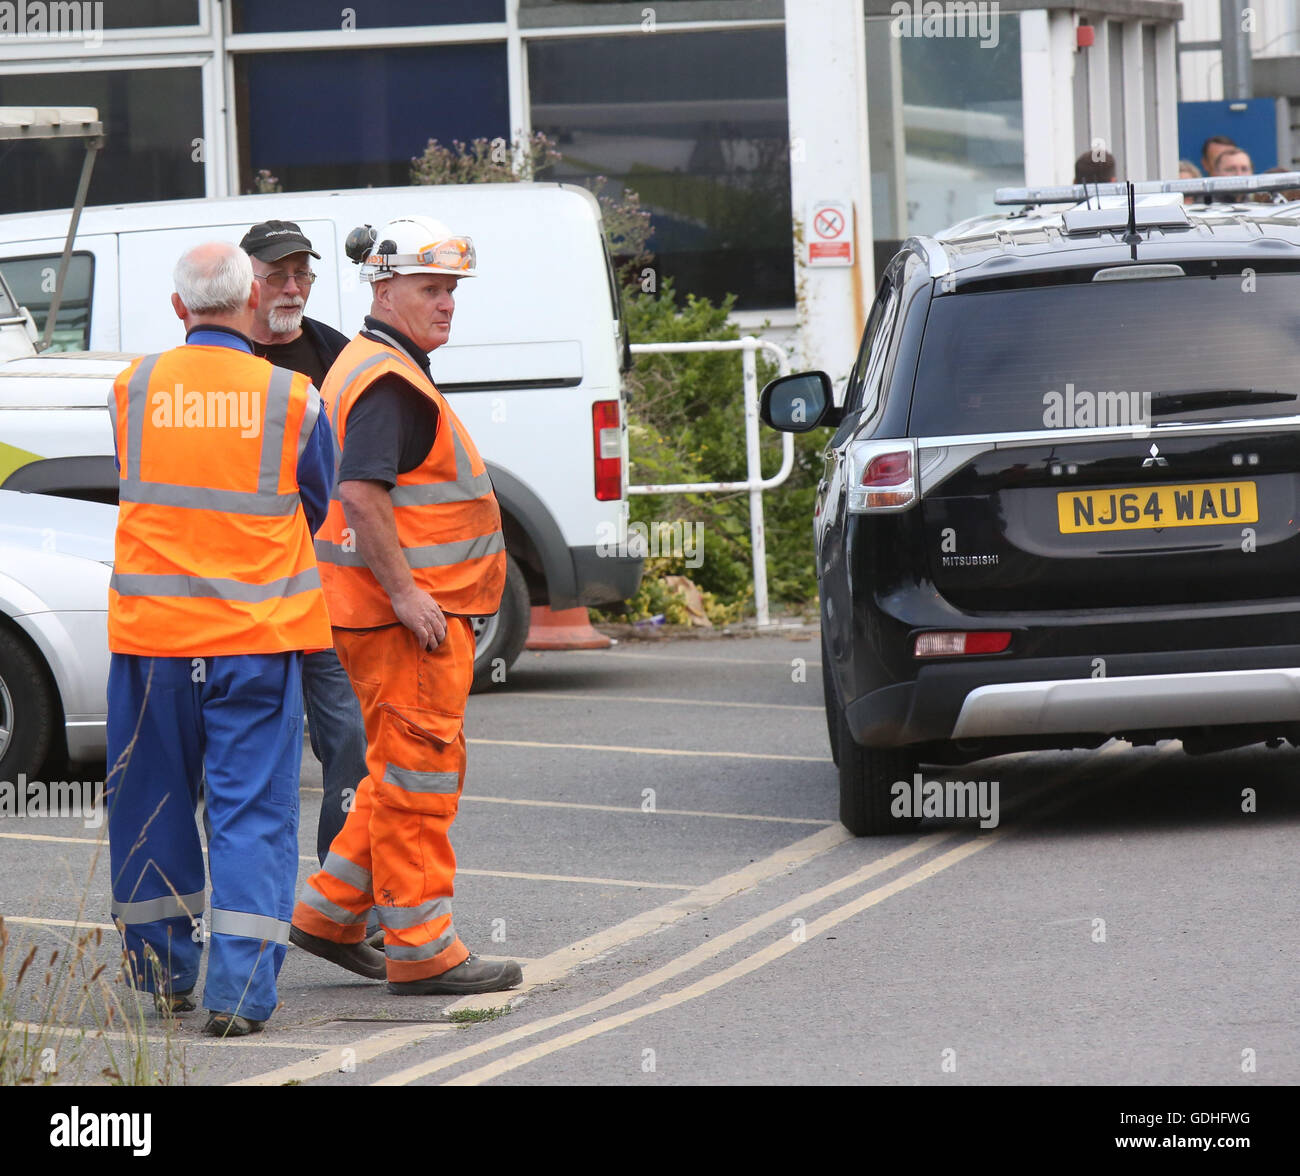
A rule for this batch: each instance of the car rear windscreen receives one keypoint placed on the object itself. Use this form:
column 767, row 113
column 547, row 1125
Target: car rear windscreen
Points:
column 1110, row 354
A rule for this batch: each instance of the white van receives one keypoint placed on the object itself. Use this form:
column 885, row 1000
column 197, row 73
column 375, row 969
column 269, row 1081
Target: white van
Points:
column 533, row 367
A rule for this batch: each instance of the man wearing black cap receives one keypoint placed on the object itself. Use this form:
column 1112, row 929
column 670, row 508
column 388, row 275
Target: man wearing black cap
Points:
column 282, row 334
column 281, row 254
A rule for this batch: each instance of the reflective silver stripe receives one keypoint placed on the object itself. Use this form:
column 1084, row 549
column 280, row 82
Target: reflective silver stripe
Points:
column 364, row 366
column 274, row 423
column 404, row 918
column 421, row 951
column 402, row 353
column 409, row 780
column 466, row 488
column 150, row 910
column 337, row 866
column 206, row 498
column 443, row 554
column 309, row 421
column 248, row 926
column 310, row 896
column 439, row 555
column 200, row 587
column 137, row 404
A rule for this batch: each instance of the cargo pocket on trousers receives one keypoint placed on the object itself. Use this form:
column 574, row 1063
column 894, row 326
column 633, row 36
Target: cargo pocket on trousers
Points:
column 423, row 760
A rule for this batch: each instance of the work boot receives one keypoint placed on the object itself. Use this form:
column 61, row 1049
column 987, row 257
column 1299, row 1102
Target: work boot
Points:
column 474, row 975
column 231, row 1025
column 356, row 957
column 169, row 1004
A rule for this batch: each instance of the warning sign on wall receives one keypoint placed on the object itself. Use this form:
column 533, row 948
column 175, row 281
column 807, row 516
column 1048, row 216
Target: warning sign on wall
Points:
column 829, row 233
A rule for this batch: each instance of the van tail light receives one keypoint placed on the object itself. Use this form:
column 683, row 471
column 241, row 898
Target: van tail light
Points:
column 607, row 439
column 882, row 476
column 954, row 644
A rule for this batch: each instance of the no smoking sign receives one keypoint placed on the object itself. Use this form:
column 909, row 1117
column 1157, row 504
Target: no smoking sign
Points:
column 829, row 233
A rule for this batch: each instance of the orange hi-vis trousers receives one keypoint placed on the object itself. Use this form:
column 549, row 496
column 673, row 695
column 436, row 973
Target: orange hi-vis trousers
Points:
column 394, row 851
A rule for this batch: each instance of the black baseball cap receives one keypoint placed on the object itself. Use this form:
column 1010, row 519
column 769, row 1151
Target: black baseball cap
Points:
column 272, row 240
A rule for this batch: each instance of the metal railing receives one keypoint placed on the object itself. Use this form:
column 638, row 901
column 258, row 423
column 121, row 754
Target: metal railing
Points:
column 754, row 482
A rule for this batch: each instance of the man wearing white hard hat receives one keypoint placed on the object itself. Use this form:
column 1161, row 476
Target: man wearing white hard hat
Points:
column 411, row 550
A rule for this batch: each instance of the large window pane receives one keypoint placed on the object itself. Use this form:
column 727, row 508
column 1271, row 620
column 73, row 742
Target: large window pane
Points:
column 695, row 124
column 356, row 119
column 152, row 119
column 145, row 14
column 946, row 126
column 276, row 16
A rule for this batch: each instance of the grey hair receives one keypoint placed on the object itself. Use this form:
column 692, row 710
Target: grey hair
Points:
column 213, row 277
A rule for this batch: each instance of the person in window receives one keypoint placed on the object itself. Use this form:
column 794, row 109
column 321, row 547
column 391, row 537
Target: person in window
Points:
column 1088, row 169
column 1214, row 147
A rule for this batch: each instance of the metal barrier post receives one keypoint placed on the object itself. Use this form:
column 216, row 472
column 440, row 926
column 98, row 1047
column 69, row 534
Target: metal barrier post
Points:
column 754, row 482
column 754, row 472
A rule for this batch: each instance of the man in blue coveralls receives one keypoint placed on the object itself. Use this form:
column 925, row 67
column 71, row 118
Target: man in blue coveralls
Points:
column 225, row 466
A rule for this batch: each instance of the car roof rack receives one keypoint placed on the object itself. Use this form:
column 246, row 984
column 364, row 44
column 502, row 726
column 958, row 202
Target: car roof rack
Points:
column 1231, row 188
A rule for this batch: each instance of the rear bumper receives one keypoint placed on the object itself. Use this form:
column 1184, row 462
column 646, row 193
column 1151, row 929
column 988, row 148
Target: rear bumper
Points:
column 1043, row 697
column 602, row 578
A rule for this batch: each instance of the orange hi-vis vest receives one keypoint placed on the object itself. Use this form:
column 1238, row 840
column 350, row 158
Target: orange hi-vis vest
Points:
column 448, row 520
column 213, row 553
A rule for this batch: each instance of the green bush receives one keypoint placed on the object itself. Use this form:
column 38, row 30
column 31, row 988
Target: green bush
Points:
column 686, row 419
column 686, row 424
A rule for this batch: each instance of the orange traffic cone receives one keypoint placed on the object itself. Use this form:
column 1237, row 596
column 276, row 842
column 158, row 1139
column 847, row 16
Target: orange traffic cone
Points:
column 567, row 628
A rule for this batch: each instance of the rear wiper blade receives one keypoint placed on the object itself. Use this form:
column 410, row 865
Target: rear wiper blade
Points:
column 1166, row 403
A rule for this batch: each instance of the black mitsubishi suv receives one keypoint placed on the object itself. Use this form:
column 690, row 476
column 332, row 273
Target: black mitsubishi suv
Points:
column 1062, row 500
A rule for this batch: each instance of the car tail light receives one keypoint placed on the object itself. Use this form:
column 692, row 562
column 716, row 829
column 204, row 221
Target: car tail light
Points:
column 954, row 644
column 882, row 476
column 607, row 438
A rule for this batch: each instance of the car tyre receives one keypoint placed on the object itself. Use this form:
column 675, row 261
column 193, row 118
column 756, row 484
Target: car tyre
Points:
column 28, row 710
column 500, row 638
column 867, row 778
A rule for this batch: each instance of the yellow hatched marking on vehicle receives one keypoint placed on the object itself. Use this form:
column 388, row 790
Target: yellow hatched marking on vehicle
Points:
column 1145, row 508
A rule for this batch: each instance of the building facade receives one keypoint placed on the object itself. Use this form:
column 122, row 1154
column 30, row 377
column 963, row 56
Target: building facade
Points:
column 711, row 110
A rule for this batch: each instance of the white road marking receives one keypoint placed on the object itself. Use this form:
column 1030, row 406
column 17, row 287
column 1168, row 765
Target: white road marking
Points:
column 758, row 755
column 638, row 811
column 551, row 695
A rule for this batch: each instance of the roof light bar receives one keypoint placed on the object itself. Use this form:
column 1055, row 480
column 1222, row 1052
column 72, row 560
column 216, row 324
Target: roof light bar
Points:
column 1077, row 193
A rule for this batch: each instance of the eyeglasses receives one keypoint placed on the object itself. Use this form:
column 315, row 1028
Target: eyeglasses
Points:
column 278, row 280
column 455, row 253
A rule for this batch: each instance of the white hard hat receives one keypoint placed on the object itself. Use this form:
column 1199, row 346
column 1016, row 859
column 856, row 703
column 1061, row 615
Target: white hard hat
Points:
column 420, row 245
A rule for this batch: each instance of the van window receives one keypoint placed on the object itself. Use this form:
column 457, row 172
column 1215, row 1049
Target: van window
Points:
column 32, row 281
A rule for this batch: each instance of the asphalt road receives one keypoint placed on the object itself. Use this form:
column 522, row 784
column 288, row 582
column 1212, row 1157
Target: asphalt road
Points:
column 652, row 831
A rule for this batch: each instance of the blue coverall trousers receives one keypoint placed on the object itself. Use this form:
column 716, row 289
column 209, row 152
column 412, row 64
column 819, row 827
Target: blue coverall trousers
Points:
column 170, row 720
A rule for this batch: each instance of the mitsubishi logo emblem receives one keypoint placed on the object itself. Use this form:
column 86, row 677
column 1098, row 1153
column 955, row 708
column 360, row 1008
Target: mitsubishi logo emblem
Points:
column 1155, row 459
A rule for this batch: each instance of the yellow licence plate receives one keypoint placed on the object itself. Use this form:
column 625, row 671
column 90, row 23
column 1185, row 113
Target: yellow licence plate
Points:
column 1137, row 508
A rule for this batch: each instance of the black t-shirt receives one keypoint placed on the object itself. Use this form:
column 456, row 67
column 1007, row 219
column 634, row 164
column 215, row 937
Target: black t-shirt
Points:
column 298, row 356
column 392, row 425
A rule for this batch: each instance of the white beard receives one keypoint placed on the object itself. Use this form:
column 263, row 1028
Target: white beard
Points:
column 285, row 320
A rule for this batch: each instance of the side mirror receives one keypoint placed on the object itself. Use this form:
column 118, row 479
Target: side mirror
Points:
column 799, row 403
